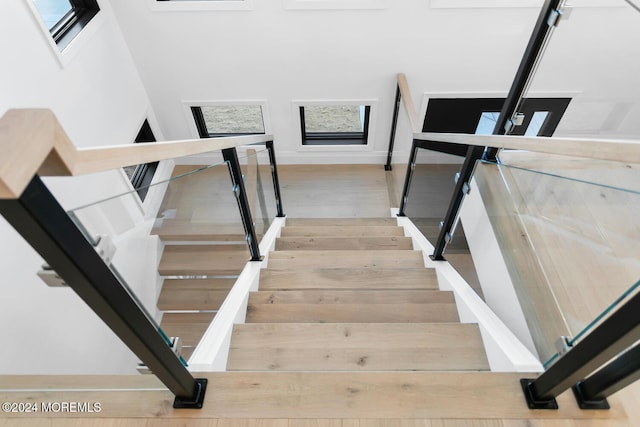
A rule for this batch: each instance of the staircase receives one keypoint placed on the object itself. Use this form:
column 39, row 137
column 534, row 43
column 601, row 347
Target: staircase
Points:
column 351, row 295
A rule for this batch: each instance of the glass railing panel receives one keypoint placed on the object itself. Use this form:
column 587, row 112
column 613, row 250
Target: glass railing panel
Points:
column 428, row 198
column 395, row 183
column 577, row 256
column 595, row 70
column 179, row 252
column 256, row 169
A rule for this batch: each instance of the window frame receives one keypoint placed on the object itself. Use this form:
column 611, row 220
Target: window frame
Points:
column 143, row 174
column 198, row 124
column 337, row 138
column 74, row 41
column 335, row 148
column 72, row 23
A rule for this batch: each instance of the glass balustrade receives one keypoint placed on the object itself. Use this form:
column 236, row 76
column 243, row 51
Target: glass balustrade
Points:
column 569, row 238
column 183, row 245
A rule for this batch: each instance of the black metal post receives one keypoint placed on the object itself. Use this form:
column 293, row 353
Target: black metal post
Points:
column 276, row 181
column 473, row 154
column 592, row 393
column 42, row 222
column 407, row 178
column 394, row 125
column 541, row 32
column 610, row 338
column 230, row 155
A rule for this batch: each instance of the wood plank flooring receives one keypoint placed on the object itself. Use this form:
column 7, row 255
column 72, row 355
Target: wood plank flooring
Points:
column 458, row 399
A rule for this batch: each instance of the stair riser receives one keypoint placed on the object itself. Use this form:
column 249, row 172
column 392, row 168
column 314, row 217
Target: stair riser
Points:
column 336, row 222
column 332, row 243
column 346, row 231
column 351, row 297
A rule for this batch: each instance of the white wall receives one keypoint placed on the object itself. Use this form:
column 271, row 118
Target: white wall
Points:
column 282, row 55
column 95, row 91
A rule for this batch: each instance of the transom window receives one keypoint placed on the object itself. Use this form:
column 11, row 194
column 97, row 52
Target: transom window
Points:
column 228, row 120
column 66, row 18
column 334, row 124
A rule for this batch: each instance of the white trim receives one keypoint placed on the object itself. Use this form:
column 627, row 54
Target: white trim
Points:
column 72, row 49
column 212, row 351
column 368, row 147
column 508, row 4
column 199, row 5
column 334, row 4
column 191, row 124
column 505, row 352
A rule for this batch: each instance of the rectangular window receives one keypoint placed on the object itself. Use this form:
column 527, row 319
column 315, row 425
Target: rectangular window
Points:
column 334, row 124
column 228, row 120
column 141, row 175
column 66, row 18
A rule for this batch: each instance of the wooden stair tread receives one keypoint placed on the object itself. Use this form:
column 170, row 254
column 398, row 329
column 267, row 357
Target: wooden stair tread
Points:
column 186, row 299
column 198, row 284
column 389, row 259
column 333, row 296
column 352, row 313
column 194, row 294
column 188, row 326
column 342, row 231
column 353, row 335
column 184, row 230
column 357, row 346
column 352, row 278
column 323, row 222
column 190, row 318
column 183, row 260
column 343, row 243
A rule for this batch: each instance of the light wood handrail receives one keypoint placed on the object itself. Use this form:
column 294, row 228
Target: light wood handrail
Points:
column 33, row 142
column 601, row 149
column 408, row 102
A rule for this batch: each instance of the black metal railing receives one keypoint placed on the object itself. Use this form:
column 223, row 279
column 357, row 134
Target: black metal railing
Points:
column 49, row 229
column 617, row 336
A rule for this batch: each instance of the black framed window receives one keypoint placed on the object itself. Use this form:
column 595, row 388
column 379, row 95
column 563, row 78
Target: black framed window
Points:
column 334, row 124
column 228, row 120
column 141, row 175
column 539, row 116
column 66, row 18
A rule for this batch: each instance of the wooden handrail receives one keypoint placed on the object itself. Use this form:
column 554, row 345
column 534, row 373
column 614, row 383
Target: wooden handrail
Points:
column 33, row 142
column 601, row 149
column 408, row 102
